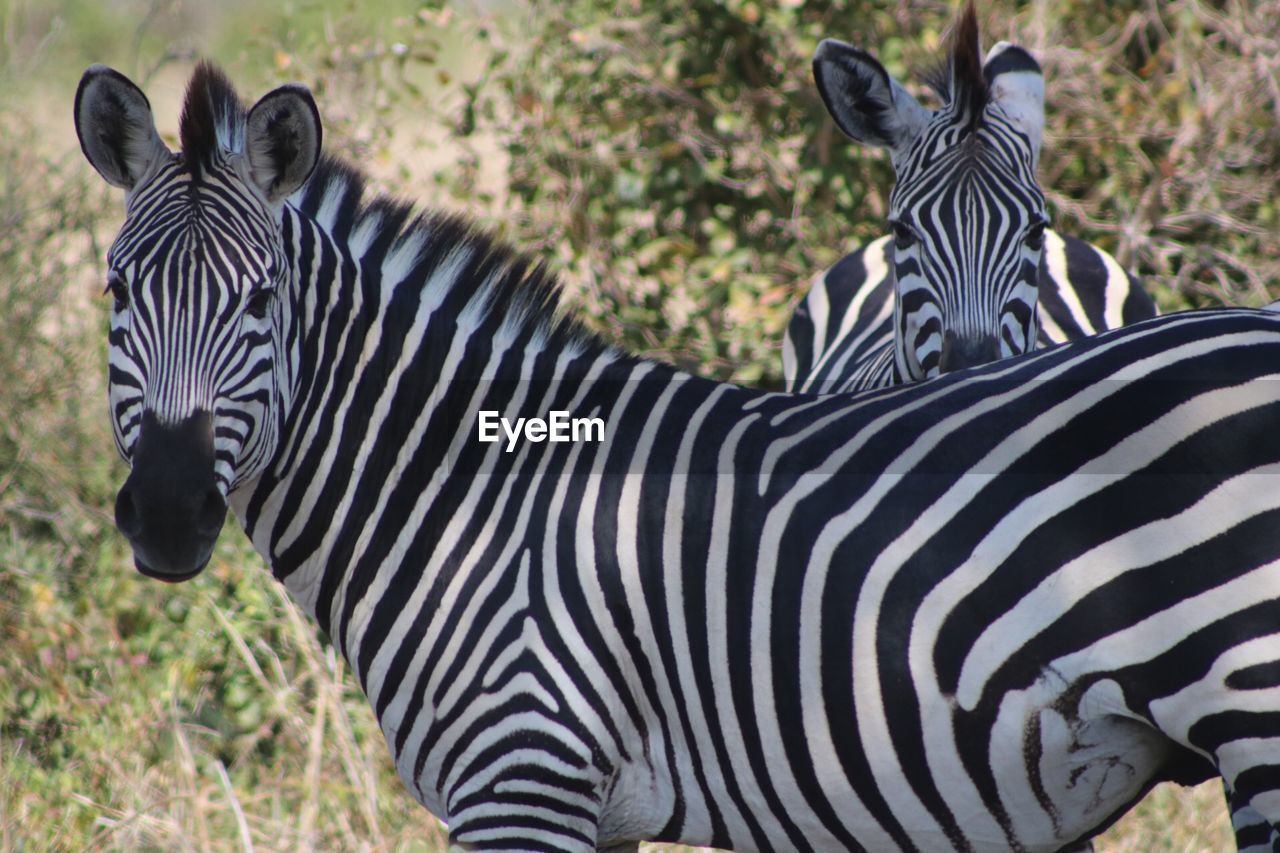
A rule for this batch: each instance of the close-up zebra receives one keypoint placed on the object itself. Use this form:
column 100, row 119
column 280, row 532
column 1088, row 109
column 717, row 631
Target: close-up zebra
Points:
column 988, row 611
column 971, row 271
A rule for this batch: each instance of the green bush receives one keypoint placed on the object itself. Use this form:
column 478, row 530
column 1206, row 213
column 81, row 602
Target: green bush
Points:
column 676, row 160
column 673, row 157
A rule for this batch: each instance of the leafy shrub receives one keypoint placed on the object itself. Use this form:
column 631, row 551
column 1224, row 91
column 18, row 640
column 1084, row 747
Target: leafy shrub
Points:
column 673, row 156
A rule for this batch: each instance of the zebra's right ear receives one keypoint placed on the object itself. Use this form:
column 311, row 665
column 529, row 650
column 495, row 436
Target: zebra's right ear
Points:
column 282, row 141
column 866, row 103
column 116, row 129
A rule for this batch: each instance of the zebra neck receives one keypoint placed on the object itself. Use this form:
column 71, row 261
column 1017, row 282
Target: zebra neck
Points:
column 419, row 331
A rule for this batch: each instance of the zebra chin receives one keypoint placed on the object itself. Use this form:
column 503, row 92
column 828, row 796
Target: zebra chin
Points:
column 170, row 508
column 171, row 573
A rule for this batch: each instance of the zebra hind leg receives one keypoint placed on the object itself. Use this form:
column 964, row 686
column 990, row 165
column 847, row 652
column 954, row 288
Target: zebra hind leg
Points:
column 1254, row 833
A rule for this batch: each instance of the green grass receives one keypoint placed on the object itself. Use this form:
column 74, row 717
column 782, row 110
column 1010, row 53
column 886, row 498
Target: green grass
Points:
column 212, row 715
column 1173, row 819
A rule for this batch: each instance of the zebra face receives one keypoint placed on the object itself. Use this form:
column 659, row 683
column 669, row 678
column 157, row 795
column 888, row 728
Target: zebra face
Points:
column 967, row 214
column 200, row 287
column 967, row 240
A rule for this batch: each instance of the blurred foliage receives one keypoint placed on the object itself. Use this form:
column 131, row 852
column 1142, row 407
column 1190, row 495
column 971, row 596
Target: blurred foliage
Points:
column 1166, row 141
column 674, row 162
column 673, row 156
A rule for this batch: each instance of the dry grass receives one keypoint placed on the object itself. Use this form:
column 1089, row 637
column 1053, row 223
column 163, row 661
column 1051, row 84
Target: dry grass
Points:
column 1173, row 819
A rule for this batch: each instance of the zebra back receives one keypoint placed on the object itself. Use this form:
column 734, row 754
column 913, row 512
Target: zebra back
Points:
column 841, row 335
column 1084, row 290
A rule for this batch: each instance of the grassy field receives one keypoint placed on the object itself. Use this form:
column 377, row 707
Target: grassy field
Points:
column 213, row 715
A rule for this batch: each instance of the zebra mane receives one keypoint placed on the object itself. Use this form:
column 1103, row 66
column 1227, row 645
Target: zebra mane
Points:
column 213, row 119
column 387, row 234
column 959, row 79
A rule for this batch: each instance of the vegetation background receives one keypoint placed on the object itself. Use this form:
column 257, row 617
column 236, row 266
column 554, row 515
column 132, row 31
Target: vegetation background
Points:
column 671, row 158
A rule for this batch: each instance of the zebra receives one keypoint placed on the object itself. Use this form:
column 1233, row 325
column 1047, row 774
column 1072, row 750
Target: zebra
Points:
column 986, row 611
column 971, row 272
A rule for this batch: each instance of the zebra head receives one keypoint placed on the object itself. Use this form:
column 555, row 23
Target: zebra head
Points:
column 967, row 214
column 199, row 278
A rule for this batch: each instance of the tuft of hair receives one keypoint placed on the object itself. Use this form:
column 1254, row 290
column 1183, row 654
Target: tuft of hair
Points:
column 960, row 82
column 213, row 119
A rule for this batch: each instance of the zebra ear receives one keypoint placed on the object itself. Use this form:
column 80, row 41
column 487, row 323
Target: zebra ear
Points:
column 1017, row 86
column 866, row 103
column 282, row 141
column 116, row 129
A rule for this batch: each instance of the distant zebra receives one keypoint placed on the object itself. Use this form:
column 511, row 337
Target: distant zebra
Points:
column 984, row 612
column 970, row 273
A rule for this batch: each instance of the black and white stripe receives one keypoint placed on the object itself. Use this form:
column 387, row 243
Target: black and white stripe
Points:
column 175, row 308
column 984, row 612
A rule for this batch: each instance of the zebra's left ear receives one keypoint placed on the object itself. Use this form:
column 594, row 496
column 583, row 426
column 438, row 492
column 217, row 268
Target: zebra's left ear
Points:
column 1017, row 85
column 282, row 141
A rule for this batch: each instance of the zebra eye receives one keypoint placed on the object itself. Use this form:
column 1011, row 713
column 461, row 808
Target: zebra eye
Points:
column 903, row 236
column 119, row 291
column 259, row 303
column 1035, row 237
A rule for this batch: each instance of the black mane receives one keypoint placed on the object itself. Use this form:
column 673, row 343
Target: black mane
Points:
column 513, row 286
column 519, row 287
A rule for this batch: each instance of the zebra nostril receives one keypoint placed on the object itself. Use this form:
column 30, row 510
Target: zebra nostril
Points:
column 127, row 520
column 212, row 512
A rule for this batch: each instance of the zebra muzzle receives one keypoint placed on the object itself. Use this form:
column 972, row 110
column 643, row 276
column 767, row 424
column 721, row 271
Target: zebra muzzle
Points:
column 961, row 352
column 170, row 508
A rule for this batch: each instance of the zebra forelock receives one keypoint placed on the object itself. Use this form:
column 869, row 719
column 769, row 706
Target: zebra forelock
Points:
column 959, row 80
column 213, row 119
